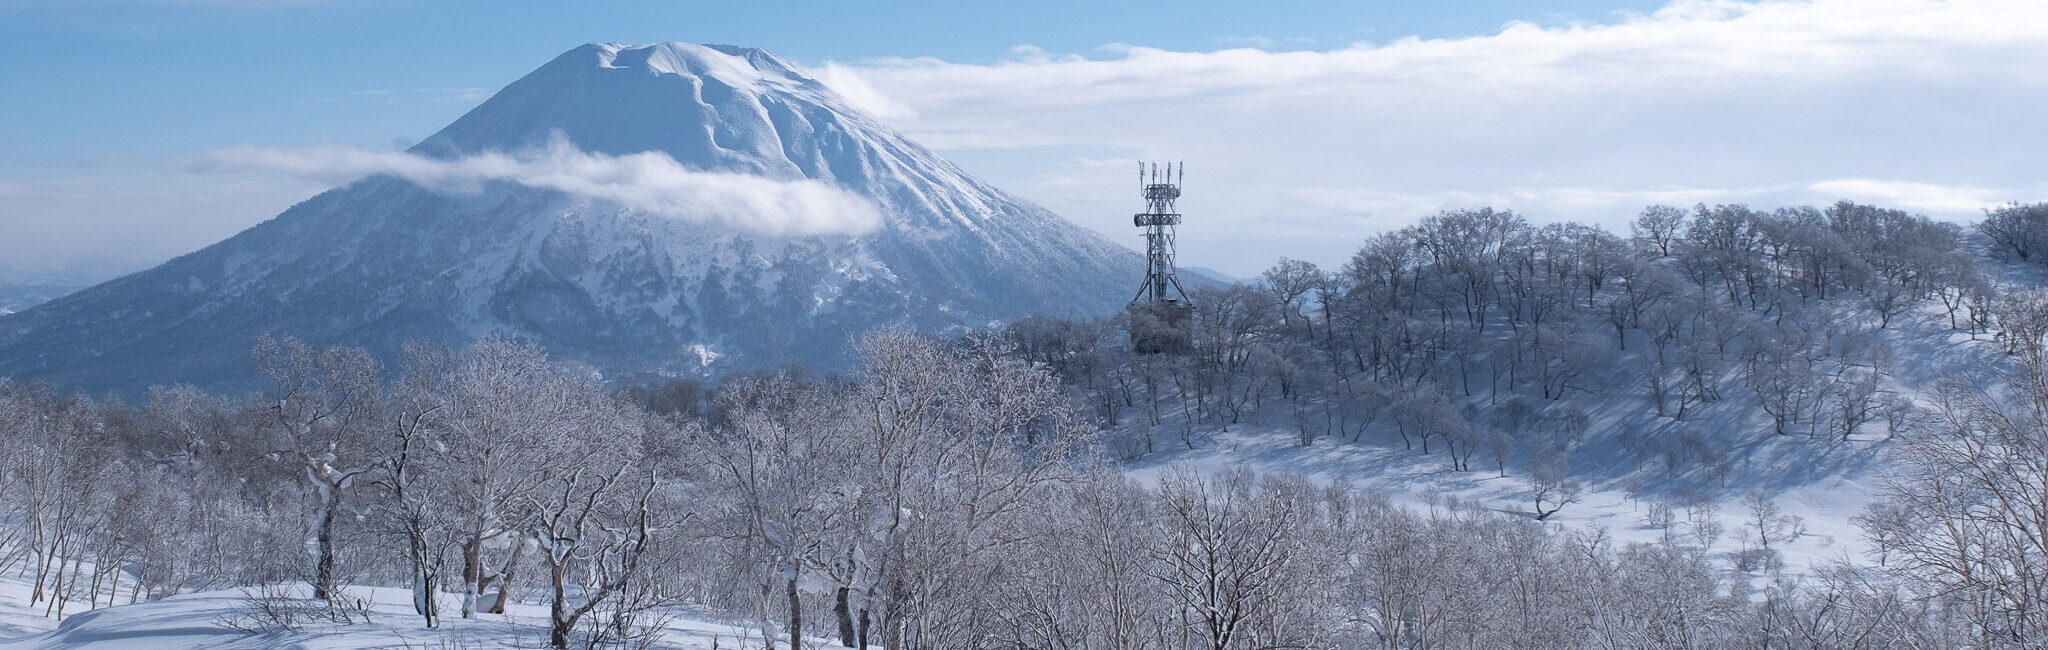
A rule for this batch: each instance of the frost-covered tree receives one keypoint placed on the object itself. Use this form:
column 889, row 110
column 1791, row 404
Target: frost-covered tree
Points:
column 508, row 412
column 1657, row 226
column 323, row 405
column 2019, row 229
column 1228, row 546
column 592, row 525
column 1962, row 515
column 409, row 503
column 783, row 465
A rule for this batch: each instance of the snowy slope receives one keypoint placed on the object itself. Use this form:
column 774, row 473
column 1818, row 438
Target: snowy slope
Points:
column 196, row 620
column 383, row 260
column 1620, row 461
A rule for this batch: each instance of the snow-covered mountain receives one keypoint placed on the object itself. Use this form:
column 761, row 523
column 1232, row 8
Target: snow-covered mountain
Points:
column 384, row 260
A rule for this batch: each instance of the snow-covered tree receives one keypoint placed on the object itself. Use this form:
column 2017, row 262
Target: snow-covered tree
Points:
column 323, row 405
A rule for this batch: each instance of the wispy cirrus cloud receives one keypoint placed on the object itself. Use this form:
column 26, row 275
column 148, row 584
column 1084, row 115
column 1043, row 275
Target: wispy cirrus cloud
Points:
column 650, row 183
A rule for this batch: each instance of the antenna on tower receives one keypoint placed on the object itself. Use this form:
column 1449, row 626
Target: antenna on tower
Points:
column 1158, row 220
column 1161, row 314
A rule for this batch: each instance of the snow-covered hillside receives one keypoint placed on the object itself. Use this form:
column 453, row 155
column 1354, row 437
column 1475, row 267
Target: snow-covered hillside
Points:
column 1626, row 460
column 380, row 618
column 1659, row 387
column 627, row 289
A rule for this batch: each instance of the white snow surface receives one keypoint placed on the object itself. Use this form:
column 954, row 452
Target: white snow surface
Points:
column 193, row 621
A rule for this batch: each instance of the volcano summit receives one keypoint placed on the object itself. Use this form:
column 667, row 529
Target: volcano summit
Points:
column 669, row 209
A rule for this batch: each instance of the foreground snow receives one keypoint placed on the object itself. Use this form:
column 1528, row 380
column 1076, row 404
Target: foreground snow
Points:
column 200, row 620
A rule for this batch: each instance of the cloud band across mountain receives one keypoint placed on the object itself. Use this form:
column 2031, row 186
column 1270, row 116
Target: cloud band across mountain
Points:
column 648, row 182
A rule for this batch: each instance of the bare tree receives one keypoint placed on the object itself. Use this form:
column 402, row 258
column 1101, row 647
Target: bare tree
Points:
column 1966, row 518
column 1549, row 484
column 782, row 464
column 508, row 412
column 2019, row 229
column 596, row 522
column 409, row 499
column 1657, row 226
column 324, row 405
column 1290, row 282
column 1225, row 549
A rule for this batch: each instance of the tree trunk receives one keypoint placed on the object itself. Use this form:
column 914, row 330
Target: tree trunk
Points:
column 115, row 588
column 860, row 636
column 424, row 582
column 472, row 574
column 796, row 615
column 764, row 616
column 323, row 571
column 505, row 577
column 844, row 611
column 558, row 610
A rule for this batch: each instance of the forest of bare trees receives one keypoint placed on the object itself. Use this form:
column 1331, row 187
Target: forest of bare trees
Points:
column 961, row 492
column 1471, row 330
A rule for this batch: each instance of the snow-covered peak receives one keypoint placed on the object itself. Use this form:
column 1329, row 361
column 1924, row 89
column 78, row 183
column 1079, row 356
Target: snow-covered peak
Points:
column 710, row 107
column 739, row 67
column 725, row 109
column 385, row 260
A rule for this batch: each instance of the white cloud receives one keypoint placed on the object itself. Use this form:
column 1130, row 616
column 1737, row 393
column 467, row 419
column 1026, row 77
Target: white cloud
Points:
column 649, row 182
column 850, row 85
column 1929, row 105
column 1915, row 196
column 1704, row 100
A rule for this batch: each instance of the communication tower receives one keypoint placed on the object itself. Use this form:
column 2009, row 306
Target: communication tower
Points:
column 1161, row 188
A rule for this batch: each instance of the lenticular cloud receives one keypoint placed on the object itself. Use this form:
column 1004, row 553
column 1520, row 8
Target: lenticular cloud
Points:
column 650, row 182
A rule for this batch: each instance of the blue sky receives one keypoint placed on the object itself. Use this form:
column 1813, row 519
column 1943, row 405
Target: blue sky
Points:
column 98, row 78
column 1307, row 125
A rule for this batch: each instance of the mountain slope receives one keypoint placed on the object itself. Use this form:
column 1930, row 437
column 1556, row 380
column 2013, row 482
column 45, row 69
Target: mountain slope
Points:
column 384, row 260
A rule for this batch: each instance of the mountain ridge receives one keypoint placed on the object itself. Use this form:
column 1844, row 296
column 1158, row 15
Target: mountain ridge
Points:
column 383, row 260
